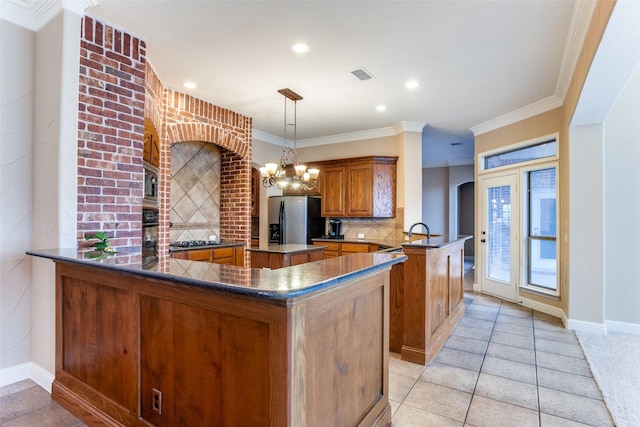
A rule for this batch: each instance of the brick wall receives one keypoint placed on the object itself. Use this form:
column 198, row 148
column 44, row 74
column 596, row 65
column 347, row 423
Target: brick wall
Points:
column 191, row 119
column 110, row 133
column 118, row 89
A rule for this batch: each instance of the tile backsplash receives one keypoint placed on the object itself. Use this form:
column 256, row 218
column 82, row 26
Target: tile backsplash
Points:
column 375, row 228
column 195, row 191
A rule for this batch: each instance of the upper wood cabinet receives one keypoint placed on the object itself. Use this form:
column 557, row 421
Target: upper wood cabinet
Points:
column 359, row 187
column 151, row 151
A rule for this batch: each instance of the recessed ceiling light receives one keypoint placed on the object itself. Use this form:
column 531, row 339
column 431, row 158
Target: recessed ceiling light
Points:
column 189, row 85
column 412, row 84
column 300, row 48
column 381, row 107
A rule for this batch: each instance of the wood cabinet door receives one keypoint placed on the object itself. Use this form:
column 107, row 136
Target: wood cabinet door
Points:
column 360, row 191
column 199, row 255
column 333, row 181
column 256, row 182
column 151, row 151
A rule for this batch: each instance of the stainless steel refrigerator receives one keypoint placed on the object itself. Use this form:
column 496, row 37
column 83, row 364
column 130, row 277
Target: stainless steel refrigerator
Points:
column 294, row 219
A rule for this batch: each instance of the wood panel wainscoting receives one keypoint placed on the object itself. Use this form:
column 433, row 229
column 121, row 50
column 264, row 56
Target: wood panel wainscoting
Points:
column 139, row 350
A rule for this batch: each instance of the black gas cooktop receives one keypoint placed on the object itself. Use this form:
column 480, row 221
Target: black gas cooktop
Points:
column 194, row 243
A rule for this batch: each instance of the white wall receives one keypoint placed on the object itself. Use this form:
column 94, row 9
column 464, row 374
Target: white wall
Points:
column 622, row 206
column 16, row 145
column 435, row 200
column 586, row 221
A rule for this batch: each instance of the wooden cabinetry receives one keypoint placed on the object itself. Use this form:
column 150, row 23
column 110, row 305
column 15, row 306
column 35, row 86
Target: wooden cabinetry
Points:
column 334, row 249
column 232, row 255
column 359, row 187
column 278, row 259
column 432, row 298
column 151, row 151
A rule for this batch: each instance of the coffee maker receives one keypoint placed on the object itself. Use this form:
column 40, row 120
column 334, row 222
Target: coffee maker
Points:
column 335, row 228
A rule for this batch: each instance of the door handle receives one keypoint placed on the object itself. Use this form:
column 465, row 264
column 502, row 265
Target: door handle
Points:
column 482, row 240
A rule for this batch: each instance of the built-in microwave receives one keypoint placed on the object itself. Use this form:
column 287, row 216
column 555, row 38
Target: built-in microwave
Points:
column 150, row 185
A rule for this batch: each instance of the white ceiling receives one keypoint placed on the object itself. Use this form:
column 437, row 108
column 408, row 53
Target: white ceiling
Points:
column 476, row 61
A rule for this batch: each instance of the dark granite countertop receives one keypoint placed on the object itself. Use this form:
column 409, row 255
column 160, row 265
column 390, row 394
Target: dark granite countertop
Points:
column 435, row 241
column 218, row 245
column 286, row 249
column 280, row 284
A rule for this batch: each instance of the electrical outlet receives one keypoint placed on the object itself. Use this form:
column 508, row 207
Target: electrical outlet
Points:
column 156, row 404
column 360, row 235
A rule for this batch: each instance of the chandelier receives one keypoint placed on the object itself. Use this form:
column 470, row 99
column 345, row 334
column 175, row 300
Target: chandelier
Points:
column 289, row 173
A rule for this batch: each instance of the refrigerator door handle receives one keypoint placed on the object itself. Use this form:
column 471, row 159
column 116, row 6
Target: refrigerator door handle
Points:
column 282, row 221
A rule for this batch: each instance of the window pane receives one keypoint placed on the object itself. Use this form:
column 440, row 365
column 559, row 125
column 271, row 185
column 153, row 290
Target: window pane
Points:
column 534, row 152
column 499, row 233
column 542, row 228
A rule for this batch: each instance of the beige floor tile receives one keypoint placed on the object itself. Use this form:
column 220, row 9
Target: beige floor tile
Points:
column 474, row 313
column 525, row 331
column 487, row 300
column 23, row 402
column 51, row 415
column 547, row 420
column 450, row 376
column 467, row 344
column 563, row 363
column 461, row 359
column 471, row 332
column 484, row 308
column 508, row 352
column 515, row 320
column 402, row 367
column 507, row 391
column 485, row 412
column 476, row 323
column 570, row 383
column 513, row 340
column 408, row 416
column 399, row 386
column 547, row 321
column 16, row 387
column 440, row 400
column 394, row 406
column 576, row 408
column 564, row 335
column 509, row 369
column 516, row 311
column 564, row 349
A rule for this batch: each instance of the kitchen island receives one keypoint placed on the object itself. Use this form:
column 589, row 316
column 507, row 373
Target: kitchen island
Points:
column 426, row 292
column 212, row 344
column 432, row 296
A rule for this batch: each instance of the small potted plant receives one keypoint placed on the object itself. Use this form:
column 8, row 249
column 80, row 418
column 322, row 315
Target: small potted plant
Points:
column 102, row 245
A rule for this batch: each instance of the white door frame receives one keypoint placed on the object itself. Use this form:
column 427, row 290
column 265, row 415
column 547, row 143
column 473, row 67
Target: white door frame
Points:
column 505, row 288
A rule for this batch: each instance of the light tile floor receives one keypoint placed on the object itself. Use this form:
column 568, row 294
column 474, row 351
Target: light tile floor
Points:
column 503, row 365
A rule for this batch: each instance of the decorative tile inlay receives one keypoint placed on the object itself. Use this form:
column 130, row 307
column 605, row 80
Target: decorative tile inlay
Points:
column 195, row 191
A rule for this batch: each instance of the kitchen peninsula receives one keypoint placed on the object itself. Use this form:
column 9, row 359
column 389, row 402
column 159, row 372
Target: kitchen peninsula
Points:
column 212, row 344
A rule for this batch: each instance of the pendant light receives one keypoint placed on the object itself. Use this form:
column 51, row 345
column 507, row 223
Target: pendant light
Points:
column 276, row 173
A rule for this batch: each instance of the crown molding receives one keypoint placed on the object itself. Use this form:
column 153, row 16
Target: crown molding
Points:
column 578, row 28
column 523, row 113
column 344, row 137
column 35, row 14
column 580, row 20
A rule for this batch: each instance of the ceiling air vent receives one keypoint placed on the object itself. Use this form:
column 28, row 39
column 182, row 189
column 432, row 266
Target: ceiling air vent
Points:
column 362, row 74
column 454, row 144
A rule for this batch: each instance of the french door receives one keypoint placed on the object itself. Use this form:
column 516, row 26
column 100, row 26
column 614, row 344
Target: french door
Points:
column 499, row 236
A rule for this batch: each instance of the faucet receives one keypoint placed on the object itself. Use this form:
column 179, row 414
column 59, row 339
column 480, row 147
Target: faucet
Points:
column 422, row 224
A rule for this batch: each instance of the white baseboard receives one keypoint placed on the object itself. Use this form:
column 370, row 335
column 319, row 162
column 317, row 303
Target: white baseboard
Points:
column 25, row 371
column 613, row 326
column 584, row 326
column 544, row 308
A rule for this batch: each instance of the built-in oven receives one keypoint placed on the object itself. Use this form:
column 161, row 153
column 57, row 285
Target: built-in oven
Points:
column 149, row 238
column 150, row 195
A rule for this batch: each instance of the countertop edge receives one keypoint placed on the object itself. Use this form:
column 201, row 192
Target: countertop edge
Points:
column 278, row 295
